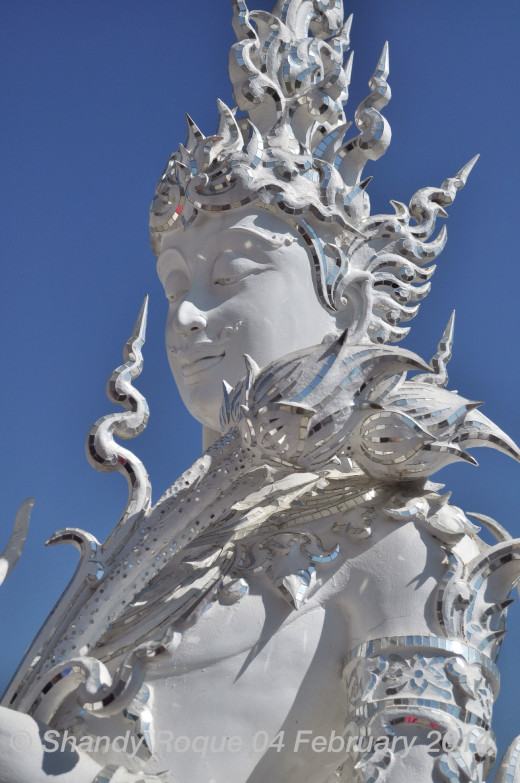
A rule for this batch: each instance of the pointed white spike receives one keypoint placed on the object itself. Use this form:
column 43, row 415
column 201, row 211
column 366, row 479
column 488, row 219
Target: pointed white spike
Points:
column 138, row 336
column 348, row 67
column 194, row 134
column 439, row 362
column 383, row 65
column 450, row 328
column 347, row 27
column 228, row 125
column 141, row 321
column 443, row 499
column 465, row 171
column 252, row 367
column 344, row 33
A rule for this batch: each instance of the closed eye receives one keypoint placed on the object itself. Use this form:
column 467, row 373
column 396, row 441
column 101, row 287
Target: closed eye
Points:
column 230, row 268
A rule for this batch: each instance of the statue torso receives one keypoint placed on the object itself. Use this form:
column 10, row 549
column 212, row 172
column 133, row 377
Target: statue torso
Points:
column 260, row 672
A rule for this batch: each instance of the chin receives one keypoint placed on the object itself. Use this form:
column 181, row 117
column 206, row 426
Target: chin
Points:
column 204, row 403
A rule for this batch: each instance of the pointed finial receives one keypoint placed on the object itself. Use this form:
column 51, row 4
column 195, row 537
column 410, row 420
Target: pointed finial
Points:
column 465, row 171
column 439, row 376
column 383, row 66
column 344, row 33
column 194, row 134
column 348, row 68
column 138, row 336
column 449, row 330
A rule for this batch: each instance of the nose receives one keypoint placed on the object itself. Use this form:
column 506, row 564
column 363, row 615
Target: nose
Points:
column 188, row 318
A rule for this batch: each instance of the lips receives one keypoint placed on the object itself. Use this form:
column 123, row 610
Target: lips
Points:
column 201, row 363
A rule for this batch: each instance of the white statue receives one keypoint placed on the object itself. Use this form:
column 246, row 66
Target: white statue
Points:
column 303, row 604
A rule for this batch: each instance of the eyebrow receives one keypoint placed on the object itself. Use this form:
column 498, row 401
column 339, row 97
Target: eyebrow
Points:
column 260, row 233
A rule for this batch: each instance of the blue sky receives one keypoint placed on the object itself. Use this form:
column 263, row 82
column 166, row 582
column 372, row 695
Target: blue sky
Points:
column 93, row 98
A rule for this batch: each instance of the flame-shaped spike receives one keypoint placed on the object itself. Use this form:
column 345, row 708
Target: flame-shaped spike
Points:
column 132, row 348
column 439, row 362
column 340, row 41
column 181, row 170
column 494, row 527
column 418, row 293
column 225, row 410
column 465, row 171
column 478, row 430
column 329, row 144
column 253, row 370
column 228, row 137
column 347, row 28
column 496, row 636
column 240, row 22
column 227, row 128
column 495, row 609
column 452, row 184
column 194, row 134
column 437, row 245
column 383, row 66
column 185, row 152
column 348, row 68
column 354, row 192
column 254, row 146
column 426, row 272
column 466, row 457
column 443, row 500
column 401, row 210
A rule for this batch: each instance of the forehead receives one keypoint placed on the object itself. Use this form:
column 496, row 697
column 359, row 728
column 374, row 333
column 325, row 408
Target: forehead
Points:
column 211, row 235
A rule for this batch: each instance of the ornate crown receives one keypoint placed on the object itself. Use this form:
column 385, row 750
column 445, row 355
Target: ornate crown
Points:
column 288, row 154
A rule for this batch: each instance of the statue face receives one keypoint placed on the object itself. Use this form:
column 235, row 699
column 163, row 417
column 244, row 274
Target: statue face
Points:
column 236, row 283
